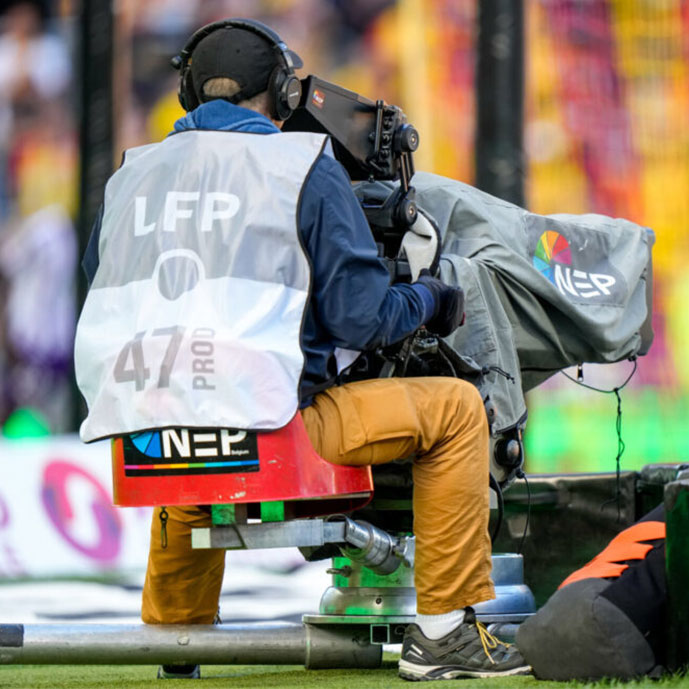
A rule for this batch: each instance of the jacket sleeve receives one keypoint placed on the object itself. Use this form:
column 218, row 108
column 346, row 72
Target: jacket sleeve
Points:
column 351, row 293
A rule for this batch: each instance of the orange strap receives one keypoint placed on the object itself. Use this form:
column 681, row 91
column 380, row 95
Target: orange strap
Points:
column 625, row 546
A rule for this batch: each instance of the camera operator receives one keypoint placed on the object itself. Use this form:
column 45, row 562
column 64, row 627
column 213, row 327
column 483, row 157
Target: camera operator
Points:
column 237, row 76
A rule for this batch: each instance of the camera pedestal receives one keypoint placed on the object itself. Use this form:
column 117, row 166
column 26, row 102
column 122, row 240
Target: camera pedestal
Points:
column 387, row 603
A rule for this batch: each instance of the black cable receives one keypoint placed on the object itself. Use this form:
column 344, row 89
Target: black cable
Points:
column 618, row 428
column 521, row 474
column 607, row 392
column 501, row 506
column 620, row 450
column 409, row 345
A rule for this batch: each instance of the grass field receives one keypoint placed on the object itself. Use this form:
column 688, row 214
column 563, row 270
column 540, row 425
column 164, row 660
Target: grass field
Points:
column 269, row 677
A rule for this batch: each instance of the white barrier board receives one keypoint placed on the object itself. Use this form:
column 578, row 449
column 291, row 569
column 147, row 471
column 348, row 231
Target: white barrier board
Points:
column 57, row 520
column 56, row 511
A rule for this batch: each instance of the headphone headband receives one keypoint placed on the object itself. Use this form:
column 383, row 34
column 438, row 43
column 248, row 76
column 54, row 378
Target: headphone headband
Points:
column 252, row 25
column 284, row 98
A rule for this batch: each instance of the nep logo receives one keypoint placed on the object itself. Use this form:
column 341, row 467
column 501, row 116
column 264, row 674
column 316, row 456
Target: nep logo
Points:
column 183, row 451
column 553, row 259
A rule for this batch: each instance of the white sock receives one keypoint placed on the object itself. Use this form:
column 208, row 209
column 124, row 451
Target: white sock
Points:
column 437, row 626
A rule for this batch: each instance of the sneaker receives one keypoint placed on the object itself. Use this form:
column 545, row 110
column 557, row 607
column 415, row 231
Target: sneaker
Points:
column 469, row 650
column 179, row 672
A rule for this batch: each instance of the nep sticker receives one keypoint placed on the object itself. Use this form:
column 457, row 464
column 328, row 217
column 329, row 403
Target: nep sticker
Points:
column 185, row 452
column 553, row 259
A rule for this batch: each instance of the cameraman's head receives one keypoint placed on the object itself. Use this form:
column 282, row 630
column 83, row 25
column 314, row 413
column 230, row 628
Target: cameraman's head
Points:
column 241, row 61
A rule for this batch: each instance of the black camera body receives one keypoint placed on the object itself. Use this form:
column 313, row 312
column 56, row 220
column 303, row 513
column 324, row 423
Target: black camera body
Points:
column 374, row 142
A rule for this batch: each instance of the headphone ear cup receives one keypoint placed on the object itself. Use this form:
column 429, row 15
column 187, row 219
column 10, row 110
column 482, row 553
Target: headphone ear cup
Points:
column 277, row 76
column 291, row 92
column 186, row 93
column 284, row 91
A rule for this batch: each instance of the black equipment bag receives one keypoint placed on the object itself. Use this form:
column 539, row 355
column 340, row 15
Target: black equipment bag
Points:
column 607, row 619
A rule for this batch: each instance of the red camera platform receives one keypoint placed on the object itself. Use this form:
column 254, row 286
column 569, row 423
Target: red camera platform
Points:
column 193, row 466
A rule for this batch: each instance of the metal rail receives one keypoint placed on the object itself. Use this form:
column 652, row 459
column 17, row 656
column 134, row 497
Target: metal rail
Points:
column 269, row 643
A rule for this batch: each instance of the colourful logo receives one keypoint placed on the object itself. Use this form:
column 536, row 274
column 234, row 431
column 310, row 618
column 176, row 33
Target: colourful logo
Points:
column 61, row 481
column 318, row 98
column 147, row 443
column 553, row 259
column 552, row 248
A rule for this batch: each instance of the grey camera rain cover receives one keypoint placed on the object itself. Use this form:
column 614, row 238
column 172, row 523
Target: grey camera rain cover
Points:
column 543, row 292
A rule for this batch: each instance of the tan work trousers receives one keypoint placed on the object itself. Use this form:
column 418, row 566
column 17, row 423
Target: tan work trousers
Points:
column 441, row 421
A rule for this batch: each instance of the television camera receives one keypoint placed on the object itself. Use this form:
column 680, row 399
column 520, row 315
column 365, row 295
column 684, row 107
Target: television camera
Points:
column 375, row 143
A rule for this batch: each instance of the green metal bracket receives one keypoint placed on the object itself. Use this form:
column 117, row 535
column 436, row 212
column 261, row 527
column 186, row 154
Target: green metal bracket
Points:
column 223, row 515
column 347, row 573
column 273, row 511
column 677, row 572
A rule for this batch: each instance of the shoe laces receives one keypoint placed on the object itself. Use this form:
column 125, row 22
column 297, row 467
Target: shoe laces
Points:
column 488, row 641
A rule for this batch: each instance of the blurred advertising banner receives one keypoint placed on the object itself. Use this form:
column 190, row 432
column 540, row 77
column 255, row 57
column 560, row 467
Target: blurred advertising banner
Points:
column 56, row 512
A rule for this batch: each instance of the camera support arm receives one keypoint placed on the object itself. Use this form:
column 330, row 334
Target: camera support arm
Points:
column 394, row 142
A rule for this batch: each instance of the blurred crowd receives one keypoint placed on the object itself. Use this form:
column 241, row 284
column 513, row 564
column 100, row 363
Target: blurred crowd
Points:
column 38, row 172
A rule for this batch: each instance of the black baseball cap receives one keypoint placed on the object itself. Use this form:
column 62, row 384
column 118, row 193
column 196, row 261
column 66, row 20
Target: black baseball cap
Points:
column 239, row 54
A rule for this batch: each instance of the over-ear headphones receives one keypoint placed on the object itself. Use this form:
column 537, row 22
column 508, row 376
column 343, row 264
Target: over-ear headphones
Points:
column 284, row 87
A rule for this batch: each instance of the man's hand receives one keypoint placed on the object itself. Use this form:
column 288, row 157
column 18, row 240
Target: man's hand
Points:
column 449, row 304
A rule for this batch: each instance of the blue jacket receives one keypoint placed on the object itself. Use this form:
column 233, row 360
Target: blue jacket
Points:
column 353, row 305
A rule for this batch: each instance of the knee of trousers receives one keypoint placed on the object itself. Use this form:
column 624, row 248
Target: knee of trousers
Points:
column 468, row 408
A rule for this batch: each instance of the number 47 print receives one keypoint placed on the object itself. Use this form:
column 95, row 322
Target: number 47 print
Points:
column 134, row 351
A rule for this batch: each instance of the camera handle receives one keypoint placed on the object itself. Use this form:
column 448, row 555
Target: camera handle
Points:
column 391, row 140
